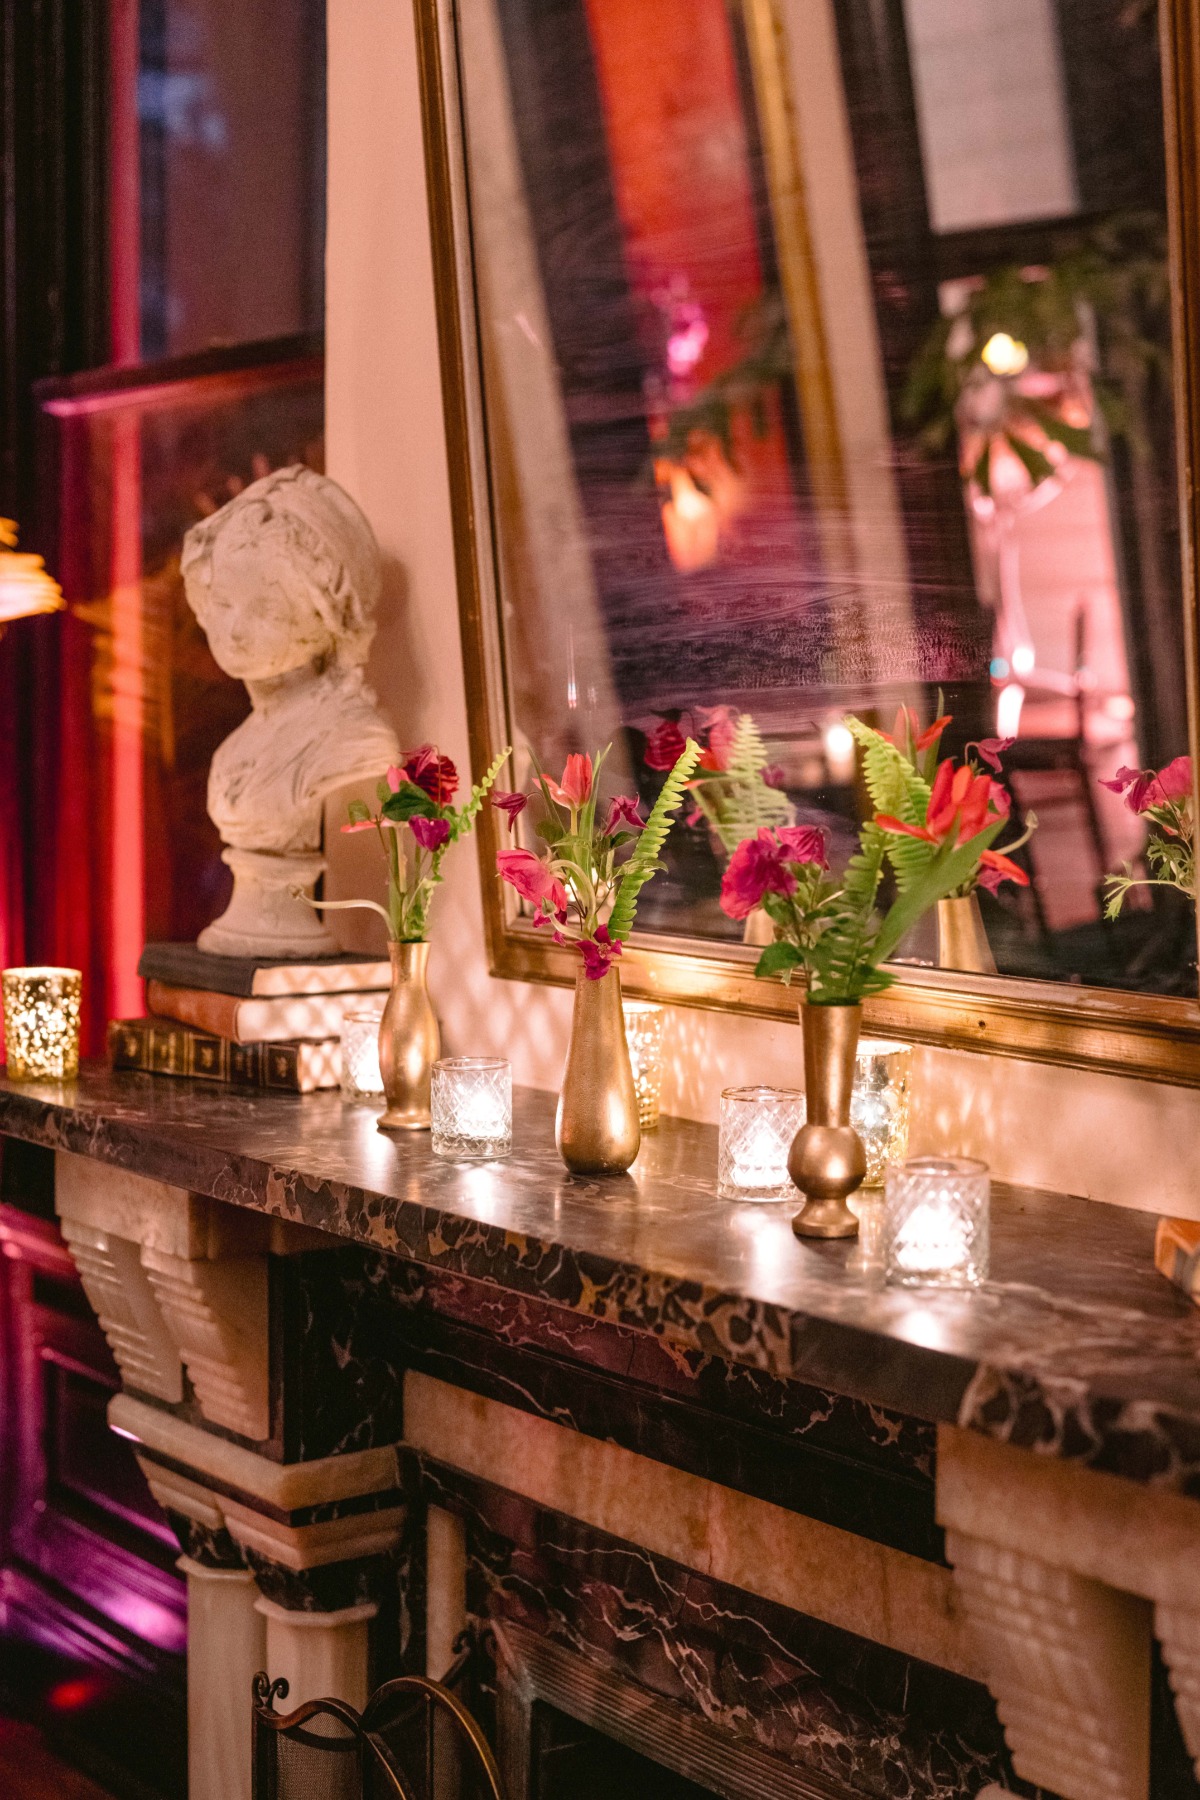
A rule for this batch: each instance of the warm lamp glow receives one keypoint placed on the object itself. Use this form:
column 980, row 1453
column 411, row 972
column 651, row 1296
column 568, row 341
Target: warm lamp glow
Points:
column 1005, row 355
column 25, row 586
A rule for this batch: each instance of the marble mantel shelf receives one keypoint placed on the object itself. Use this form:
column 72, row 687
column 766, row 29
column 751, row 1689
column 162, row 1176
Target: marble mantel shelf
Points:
column 1077, row 1347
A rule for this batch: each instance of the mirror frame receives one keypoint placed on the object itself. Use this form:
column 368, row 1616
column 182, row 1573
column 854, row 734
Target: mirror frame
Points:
column 1142, row 1035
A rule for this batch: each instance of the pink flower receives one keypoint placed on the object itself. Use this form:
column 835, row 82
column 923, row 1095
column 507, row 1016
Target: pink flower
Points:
column 758, row 866
column 721, row 733
column 512, row 805
column 598, row 953
column 995, row 867
column 576, row 786
column 991, row 750
column 435, row 775
column 396, row 778
column 665, row 745
column 804, row 844
column 533, row 880
column 907, row 736
column 774, row 776
column 623, row 815
column 1135, row 784
column 431, row 834
column 1172, row 783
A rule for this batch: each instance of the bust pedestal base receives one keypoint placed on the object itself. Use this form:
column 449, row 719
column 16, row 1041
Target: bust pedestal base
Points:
column 264, row 918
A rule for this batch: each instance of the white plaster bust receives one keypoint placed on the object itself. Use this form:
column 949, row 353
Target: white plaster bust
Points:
column 284, row 581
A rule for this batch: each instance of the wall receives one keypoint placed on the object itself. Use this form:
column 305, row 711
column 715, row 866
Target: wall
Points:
column 1111, row 1138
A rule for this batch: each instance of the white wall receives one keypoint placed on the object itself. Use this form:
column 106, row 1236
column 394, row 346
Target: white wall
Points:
column 1112, row 1138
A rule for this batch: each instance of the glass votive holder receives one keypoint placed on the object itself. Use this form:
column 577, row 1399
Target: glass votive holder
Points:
column 757, row 1128
column 644, row 1025
column 935, row 1222
column 361, row 1077
column 471, row 1107
column 879, row 1104
column 41, row 1023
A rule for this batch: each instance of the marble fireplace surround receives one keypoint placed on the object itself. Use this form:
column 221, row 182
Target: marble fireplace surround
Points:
column 1066, row 1396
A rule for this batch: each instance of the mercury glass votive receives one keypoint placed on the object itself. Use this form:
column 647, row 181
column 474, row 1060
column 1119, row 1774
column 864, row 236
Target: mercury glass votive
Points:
column 935, row 1222
column 879, row 1104
column 41, row 1023
column 644, row 1025
column 757, row 1128
column 361, row 1076
column 472, row 1107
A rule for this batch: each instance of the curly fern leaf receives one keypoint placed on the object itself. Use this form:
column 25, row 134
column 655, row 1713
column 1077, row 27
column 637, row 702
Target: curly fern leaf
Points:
column 644, row 861
column 466, row 816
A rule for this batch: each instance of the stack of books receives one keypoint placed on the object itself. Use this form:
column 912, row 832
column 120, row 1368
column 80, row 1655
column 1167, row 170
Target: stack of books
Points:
column 256, row 1023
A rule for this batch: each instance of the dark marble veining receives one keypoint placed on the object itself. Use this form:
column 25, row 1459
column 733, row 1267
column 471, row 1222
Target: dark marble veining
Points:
column 1076, row 1348
column 867, row 1719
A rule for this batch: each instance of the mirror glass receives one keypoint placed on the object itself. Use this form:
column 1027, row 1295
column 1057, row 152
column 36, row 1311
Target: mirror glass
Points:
column 826, row 363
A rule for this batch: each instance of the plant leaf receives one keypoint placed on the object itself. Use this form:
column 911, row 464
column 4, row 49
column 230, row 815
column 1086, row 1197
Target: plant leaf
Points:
column 645, row 858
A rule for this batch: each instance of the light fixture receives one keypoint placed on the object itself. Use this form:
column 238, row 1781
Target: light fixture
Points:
column 41, row 1023
column 1008, row 710
column 1005, row 355
column 935, row 1222
column 757, row 1128
column 644, row 1022
column 25, row 585
column 471, row 1107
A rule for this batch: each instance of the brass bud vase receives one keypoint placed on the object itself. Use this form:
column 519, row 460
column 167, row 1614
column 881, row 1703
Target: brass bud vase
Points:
column 962, row 939
column 597, row 1130
column 409, row 1041
column 827, row 1159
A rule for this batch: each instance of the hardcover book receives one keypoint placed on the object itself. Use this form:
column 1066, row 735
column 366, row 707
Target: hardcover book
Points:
column 162, row 1047
column 258, row 1021
column 248, row 977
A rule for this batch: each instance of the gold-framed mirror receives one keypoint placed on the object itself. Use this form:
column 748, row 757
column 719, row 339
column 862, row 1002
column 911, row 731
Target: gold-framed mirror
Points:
column 803, row 357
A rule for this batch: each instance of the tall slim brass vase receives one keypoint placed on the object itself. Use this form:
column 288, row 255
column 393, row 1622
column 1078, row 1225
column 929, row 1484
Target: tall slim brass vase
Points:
column 597, row 1130
column 409, row 1042
column 827, row 1160
column 962, row 937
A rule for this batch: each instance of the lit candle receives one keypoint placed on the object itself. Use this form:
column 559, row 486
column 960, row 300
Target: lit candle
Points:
column 879, row 1104
column 935, row 1221
column 471, row 1107
column 41, row 1023
column 361, row 1076
column 644, row 1021
column 757, row 1128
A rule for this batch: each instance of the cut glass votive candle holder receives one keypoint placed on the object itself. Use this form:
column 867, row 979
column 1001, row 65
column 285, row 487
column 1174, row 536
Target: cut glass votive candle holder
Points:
column 471, row 1107
column 936, row 1222
column 361, row 1075
column 879, row 1104
column 644, row 1025
column 757, row 1128
column 41, row 1023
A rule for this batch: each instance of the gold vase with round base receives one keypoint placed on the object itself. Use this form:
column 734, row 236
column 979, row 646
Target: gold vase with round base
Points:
column 409, row 1041
column 597, row 1129
column 827, row 1160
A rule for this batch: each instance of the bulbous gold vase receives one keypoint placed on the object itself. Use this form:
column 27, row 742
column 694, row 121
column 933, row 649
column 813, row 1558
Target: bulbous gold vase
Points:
column 597, row 1130
column 827, row 1160
column 409, row 1041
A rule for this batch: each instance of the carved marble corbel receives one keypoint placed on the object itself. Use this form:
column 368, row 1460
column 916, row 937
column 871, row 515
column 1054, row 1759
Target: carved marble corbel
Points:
column 177, row 1281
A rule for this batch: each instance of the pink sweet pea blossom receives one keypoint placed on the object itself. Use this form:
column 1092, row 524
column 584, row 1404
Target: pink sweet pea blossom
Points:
column 431, row 834
column 758, row 866
column 623, row 815
column 804, row 844
column 598, row 953
column 533, row 880
column 1172, row 783
column 575, row 788
column 512, row 805
column 664, row 746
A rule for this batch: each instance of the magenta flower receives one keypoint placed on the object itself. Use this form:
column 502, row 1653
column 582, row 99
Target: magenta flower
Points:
column 664, row 746
column 599, row 953
column 804, row 844
column 431, row 834
column 1172, row 783
column 511, row 805
column 758, row 866
column 774, row 776
column 435, row 775
column 623, row 815
column 1143, row 788
column 575, row 788
column 533, row 880
column 991, row 750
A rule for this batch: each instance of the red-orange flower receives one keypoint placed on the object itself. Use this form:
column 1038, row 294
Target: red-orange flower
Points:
column 960, row 805
column 576, row 785
column 907, row 732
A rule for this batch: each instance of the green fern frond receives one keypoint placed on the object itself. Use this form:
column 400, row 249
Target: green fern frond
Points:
column 738, row 802
column 842, row 962
column 466, row 815
column 898, row 789
column 644, row 861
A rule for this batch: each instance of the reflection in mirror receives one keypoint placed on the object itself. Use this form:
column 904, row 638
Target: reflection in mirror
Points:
column 827, row 368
